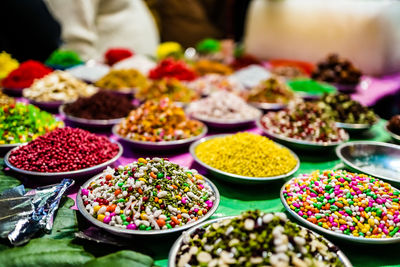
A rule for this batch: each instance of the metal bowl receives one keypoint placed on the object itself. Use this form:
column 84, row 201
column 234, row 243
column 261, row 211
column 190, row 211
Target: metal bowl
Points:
column 51, row 176
column 163, row 145
column 7, row 147
column 378, row 159
column 131, row 233
column 356, row 127
column 89, row 123
column 235, row 178
column 268, row 106
column 320, row 229
column 178, row 243
column 395, row 137
column 299, row 144
column 53, row 105
column 227, row 124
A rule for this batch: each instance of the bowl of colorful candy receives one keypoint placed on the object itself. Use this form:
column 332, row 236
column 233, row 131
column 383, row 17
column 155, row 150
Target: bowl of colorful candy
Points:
column 103, row 109
column 244, row 158
column 148, row 197
column 304, row 125
column 349, row 206
column 159, row 124
column 223, row 110
column 22, row 123
column 242, row 241
column 64, row 152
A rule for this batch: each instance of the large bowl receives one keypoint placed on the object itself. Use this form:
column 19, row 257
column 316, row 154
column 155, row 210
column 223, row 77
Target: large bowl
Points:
column 320, row 229
column 226, row 124
column 51, row 176
column 131, row 233
column 356, row 127
column 395, row 137
column 89, row 123
column 378, row 159
column 299, row 144
column 178, row 243
column 163, row 145
column 268, row 106
column 235, row 178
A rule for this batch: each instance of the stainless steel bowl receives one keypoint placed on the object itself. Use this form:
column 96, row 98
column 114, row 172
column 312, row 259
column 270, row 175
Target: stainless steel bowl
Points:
column 7, row 147
column 131, row 233
column 235, row 178
column 299, row 144
column 268, row 106
column 356, row 127
column 163, row 145
column 227, row 124
column 395, row 137
column 378, row 159
column 51, row 176
column 178, row 243
column 320, row 229
column 89, row 123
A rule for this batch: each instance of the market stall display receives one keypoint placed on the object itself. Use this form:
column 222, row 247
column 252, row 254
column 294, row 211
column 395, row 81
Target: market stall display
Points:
column 223, row 110
column 159, row 125
column 350, row 206
column 167, row 87
column 254, row 238
column 101, row 109
column 148, row 197
column 57, row 88
column 23, row 77
column 378, row 159
column 270, row 94
column 64, row 152
column 348, row 114
column 244, row 158
column 122, row 81
column 303, row 125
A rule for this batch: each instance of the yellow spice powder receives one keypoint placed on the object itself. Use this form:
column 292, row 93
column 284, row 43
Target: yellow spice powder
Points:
column 246, row 154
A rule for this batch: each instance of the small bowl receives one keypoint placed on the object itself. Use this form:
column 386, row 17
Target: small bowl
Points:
column 52, row 176
column 299, row 144
column 355, row 128
column 235, row 178
column 89, row 123
column 395, row 137
column 378, row 159
column 132, row 233
column 320, row 229
column 178, row 243
column 268, row 106
column 13, row 91
column 226, row 124
column 163, row 145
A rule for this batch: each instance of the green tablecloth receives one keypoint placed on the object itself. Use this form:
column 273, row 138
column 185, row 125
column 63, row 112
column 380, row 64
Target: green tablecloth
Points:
column 235, row 199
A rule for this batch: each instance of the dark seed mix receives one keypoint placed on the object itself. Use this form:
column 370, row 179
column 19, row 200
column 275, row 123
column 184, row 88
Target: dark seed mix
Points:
column 394, row 124
column 335, row 69
column 256, row 239
column 64, row 149
column 100, row 106
column 343, row 109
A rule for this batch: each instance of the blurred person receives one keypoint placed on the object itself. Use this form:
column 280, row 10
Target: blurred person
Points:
column 91, row 27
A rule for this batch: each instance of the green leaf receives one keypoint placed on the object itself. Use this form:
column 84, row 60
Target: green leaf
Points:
column 6, row 181
column 45, row 252
column 123, row 258
column 65, row 223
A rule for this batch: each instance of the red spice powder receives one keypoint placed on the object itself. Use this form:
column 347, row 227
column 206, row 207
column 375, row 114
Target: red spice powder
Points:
column 64, row 149
column 25, row 74
column 170, row 68
column 113, row 55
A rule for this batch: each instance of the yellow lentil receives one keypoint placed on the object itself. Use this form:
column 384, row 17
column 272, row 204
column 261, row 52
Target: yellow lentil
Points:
column 246, row 154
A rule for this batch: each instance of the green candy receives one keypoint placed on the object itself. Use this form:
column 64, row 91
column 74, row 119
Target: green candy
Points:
column 160, row 175
column 395, row 230
column 142, row 227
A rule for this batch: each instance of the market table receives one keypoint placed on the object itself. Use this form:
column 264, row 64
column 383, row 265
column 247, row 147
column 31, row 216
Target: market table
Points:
column 238, row 198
